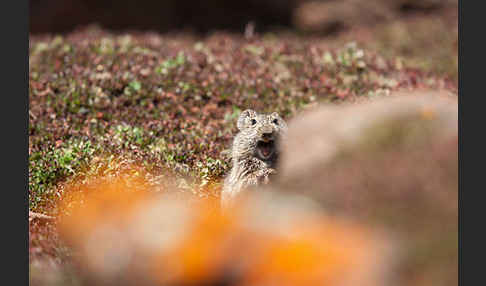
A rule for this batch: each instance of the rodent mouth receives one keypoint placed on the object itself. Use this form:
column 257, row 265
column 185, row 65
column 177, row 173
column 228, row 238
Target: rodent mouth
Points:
column 265, row 149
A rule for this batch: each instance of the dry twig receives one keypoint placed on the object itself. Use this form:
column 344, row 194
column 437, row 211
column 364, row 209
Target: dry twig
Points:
column 33, row 215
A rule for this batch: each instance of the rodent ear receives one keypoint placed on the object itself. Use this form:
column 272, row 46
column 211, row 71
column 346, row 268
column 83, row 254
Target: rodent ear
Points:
column 244, row 118
column 275, row 115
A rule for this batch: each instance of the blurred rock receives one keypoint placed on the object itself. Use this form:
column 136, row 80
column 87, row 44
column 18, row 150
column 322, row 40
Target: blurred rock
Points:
column 126, row 238
column 390, row 162
column 331, row 16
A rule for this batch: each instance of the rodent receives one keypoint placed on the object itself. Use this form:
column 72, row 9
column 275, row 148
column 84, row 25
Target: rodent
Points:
column 254, row 154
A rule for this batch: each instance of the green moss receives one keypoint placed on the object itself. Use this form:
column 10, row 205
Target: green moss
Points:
column 48, row 167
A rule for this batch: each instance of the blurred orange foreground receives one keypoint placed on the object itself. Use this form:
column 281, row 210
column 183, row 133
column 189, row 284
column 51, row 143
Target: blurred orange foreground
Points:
column 126, row 237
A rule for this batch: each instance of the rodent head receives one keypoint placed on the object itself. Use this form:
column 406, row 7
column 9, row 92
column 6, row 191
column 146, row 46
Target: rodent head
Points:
column 259, row 136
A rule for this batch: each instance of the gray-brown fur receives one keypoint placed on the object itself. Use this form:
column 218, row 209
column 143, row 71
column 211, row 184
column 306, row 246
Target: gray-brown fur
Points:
column 254, row 154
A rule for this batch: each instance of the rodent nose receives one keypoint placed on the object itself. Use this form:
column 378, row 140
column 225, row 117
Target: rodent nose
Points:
column 266, row 130
column 267, row 135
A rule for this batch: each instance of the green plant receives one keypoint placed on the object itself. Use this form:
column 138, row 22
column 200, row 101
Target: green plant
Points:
column 48, row 167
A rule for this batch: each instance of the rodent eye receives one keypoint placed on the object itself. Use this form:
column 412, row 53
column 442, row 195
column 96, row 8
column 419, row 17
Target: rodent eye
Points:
column 275, row 121
column 253, row 122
